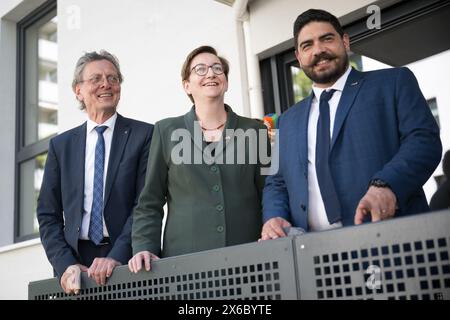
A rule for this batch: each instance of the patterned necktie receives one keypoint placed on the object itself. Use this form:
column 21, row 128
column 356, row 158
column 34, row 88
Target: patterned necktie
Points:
column 327, row 189
column 96, row 223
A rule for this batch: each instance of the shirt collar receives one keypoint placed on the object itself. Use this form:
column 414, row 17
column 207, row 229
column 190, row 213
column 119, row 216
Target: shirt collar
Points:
column 338, row 85
column 109, row 123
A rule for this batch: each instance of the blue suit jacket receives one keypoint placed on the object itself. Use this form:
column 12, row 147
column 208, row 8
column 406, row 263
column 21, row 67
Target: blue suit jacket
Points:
column 383, row 129
column 60, row 203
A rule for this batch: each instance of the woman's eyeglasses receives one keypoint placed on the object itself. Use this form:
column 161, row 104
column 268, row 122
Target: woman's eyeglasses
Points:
column 201, row 69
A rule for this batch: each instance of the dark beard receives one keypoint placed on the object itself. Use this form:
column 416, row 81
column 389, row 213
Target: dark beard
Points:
column 327, row 77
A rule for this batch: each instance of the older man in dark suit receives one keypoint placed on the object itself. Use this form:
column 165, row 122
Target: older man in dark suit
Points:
column 360, row 147
column 93, row 176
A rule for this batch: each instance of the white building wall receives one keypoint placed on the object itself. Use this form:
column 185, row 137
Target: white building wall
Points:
column 151, row 39
column 20, row 264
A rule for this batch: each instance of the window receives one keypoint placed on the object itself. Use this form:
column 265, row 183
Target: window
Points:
column 37, row 111
column 434, row 109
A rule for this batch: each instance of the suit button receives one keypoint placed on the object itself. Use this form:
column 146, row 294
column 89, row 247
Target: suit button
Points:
column 219, row 207
column 214, row 168
column 303, row 207
column 216, row 188
column 219, row 229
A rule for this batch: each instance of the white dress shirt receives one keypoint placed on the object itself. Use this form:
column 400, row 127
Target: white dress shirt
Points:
column 317, row 216
column 89, row 161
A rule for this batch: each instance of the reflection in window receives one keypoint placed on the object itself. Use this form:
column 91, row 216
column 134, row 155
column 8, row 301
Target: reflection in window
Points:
column 31, row 175
column 301, row 84
column 41, row 92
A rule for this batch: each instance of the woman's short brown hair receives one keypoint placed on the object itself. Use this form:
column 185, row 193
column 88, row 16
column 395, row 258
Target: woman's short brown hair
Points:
column 186, row 69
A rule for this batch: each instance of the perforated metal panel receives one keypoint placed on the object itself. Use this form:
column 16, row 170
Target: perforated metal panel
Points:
column 253, row 271
column 406, row 258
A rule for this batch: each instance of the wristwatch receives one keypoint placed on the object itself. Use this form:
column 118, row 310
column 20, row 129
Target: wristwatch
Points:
column 379, row 183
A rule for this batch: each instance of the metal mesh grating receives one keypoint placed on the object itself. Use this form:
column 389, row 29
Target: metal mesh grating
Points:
column 405, row 258
column 242, row 272
column 378, row 261
column 427, row 261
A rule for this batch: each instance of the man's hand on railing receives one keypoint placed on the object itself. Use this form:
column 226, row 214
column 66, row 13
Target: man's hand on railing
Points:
column 273, row 228
column 71, row 278
column 102, row 268
column 135, row 263
column 381, row 203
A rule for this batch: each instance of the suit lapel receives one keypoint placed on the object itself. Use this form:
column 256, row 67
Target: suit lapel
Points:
column 352, row 86
column 79, row 150
column 121, row 133
column 302, row 136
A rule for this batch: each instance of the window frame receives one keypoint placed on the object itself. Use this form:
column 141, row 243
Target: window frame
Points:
column 25, row 152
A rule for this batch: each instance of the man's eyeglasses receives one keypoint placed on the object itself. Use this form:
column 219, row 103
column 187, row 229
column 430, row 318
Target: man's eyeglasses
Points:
column 201, row 69
column 97, row 79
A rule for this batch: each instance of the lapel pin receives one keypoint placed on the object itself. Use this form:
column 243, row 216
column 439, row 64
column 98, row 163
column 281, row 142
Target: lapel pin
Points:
column 126, row 132
column 354, row 83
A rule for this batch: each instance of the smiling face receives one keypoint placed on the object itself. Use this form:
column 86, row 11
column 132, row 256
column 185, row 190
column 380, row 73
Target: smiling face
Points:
column 209, row 86
column 99, row 97
column 322, row 53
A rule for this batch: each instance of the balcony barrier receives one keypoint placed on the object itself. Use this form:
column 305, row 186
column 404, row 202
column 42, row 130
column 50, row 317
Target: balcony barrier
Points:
column 403, row 258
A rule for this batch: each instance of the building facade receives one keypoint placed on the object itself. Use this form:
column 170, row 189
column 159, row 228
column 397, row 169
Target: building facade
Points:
column 41, row 40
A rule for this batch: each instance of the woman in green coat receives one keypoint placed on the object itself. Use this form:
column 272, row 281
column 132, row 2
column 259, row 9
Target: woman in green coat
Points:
column 206, row 165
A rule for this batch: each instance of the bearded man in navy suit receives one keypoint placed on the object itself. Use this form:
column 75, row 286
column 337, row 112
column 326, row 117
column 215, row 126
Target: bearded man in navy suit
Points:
column 93, row 177
column 359, row 148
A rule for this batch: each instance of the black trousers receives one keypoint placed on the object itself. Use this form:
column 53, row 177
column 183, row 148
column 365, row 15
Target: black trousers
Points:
column 88, row 251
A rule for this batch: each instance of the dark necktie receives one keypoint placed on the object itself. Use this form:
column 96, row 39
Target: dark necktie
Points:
column 327, row 189
column 96, row 222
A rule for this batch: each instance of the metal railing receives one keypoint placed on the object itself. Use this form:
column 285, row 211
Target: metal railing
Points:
column 404, row 258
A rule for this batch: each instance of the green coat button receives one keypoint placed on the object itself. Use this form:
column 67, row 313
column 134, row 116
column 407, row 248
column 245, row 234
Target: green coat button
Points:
column 219, row 229
column 216, row 187
column 214, row 169
column 219, row 207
